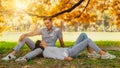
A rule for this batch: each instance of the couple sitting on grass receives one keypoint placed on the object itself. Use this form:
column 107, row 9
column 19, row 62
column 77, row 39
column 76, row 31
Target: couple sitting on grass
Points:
column 47, row 48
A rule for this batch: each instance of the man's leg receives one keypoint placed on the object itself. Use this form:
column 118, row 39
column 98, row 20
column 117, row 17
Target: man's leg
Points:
column 29, row 55
column 28, row 42
column 74, row 51
column 33, row 53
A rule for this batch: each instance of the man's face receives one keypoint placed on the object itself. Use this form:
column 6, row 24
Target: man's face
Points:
column 48, row 24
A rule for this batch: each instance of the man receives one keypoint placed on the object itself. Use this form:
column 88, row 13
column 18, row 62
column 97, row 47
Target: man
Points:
column 50, row 34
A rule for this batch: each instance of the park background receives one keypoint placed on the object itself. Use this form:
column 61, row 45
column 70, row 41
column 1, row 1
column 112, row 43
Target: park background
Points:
column 100, row 20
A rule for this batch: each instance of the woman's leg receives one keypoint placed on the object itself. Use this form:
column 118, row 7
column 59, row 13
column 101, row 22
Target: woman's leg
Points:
column 82, row 37
column 74, row 51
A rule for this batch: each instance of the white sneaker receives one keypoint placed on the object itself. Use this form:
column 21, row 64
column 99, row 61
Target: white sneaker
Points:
column 8, row 57
column 108, row 56
column 21, row 60
column 93, row 55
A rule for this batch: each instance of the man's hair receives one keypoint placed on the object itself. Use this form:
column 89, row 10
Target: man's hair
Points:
column 47, row 18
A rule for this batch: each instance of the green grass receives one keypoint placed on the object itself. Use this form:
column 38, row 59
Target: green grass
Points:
column 99, row 43
column 4, row 44
column 81, row 62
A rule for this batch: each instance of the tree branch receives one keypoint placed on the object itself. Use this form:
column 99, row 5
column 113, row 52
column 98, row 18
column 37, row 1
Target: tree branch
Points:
column 68, row 10
column 83, row 9
column 62, row 12
column 59, row 13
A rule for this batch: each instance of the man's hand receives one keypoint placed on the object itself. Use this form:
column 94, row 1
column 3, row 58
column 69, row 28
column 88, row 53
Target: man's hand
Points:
column 21, row 37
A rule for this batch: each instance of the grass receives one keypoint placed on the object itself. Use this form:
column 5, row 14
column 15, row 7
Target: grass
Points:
column 81, row 62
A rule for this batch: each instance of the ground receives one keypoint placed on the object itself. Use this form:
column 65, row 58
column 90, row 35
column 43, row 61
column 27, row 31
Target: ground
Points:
column 107, row 41
column 82, row 61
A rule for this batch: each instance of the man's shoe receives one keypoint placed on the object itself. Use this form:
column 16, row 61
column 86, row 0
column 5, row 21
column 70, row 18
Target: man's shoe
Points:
column 8, row 57
column 21, row 60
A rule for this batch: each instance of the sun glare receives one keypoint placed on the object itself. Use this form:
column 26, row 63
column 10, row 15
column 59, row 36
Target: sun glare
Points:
column 21, row 5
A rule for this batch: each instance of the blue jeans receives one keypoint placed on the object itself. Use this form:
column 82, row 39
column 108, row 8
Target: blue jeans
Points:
column 81, row 43
column 31, row 45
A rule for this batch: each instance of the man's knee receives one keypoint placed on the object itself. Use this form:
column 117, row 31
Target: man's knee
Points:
column 26, row 38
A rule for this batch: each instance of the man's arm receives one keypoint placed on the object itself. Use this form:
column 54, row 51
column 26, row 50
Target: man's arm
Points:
column 61, row 42
column 68, row 58
column 33, row 33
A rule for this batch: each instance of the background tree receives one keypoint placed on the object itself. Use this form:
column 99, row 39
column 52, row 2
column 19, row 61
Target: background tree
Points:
column 2, row 20
column 100, row 15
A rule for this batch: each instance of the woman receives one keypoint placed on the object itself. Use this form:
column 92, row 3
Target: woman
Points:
column 70, row 53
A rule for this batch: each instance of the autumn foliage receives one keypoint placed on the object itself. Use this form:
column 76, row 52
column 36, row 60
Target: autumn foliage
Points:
column 97, row 10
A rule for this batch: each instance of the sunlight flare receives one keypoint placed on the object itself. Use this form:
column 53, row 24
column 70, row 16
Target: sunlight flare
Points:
column 21, row 5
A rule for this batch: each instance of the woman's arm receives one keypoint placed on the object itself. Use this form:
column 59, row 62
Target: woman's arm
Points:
column 68, row 58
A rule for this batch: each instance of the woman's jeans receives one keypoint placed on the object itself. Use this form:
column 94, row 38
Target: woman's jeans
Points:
column 81, row 43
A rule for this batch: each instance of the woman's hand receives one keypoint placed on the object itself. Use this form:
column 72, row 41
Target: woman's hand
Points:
column 68, row 58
